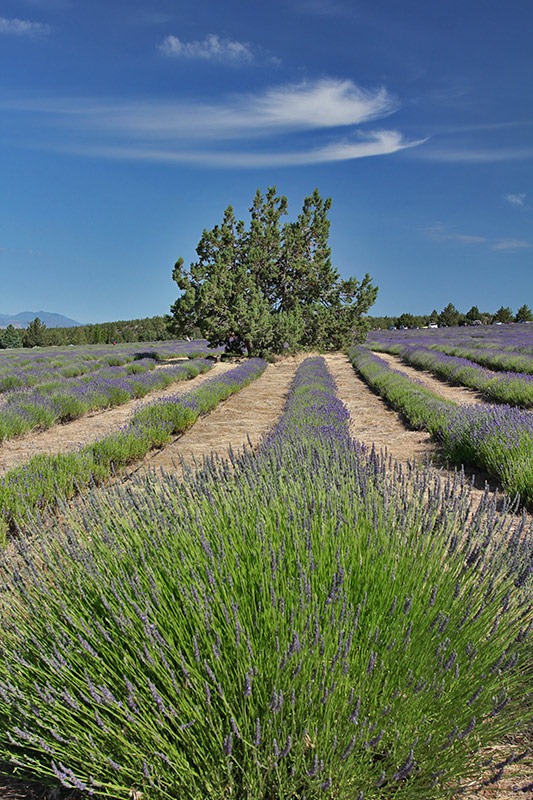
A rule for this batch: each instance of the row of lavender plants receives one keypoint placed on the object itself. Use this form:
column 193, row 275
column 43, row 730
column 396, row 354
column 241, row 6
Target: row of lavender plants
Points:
column 54, row 403
column 493, row 358
column 498, row 387
column 496, row 438
column 507, row 348
column 509, row 338
column 49, row 370
column 23, row 369
column 305, row 622
column 46, row 481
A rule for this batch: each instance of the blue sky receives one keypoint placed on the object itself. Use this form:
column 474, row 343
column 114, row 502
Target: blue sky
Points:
column 127, row 128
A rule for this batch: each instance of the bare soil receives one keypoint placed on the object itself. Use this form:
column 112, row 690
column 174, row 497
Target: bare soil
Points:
column 242, row 420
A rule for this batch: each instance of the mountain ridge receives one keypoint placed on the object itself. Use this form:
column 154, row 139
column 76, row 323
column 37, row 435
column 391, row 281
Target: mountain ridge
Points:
column 49, row 318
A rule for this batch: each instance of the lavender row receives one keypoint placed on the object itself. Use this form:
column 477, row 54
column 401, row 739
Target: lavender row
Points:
column 46, row 481
column 493, row 358
column 500, row 387
column 28, row 369
column 43, row 408
column 509, row 338
column 308, row 624
column 498, row 439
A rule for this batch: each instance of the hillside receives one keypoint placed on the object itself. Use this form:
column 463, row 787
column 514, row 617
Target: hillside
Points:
column 49, row 318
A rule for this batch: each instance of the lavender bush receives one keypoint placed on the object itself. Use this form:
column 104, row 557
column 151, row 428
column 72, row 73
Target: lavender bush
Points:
column 505, row 347
column 505, row 338
column 308, row 623
column 26, row 369
column 500, row 438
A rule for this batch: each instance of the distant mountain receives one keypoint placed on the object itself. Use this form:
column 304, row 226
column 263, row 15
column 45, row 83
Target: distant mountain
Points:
column 50, row 319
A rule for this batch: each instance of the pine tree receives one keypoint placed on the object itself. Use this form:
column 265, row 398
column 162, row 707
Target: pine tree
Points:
column 271, row 288
column 10, row 338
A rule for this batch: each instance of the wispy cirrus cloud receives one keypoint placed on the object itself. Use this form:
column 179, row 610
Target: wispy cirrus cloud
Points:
column 439, row 233
column 518, row 200
column 212, row 48
column 374, row 144
column 444, row 147
column 477, row 155
column 23, row 27
column 290, row 121
column 480, row 143
column 511, row 244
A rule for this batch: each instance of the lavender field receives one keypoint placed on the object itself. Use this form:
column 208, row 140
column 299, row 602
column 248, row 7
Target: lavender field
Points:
column 308, row 620
column 498, row 347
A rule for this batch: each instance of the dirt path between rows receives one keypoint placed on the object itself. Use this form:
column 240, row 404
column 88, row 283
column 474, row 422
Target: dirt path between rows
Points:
column 458, row 394
column 372, row 421
column 243, row 419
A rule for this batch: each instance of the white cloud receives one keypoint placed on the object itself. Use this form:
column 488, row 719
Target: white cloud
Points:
column 438, row 233
column 510, row 244
column 290, row 119
column 292, row 107
column 325, row 103
column 23, row 27
column 516, row 199
column 212, row 48
column 375, row 143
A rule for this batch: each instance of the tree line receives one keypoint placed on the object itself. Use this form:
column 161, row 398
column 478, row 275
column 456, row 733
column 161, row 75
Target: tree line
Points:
column 450, row 317
column 37, row 334
column 153, row 329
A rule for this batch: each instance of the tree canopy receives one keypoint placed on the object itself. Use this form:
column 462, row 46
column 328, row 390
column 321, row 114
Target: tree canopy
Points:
column 524, row 314
column 271, row 287
column 504, row 314
column 34, row 334
column 449, row 316
column 10, row 337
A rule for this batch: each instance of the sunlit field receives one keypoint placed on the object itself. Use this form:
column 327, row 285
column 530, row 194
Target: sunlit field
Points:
column 308, row 620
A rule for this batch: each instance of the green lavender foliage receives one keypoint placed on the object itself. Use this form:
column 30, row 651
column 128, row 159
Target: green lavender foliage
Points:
column 492, row 358
column 424, row 409
column 498, row 387
column 305, row 622
column 497, row 439
column 46, row 480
